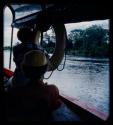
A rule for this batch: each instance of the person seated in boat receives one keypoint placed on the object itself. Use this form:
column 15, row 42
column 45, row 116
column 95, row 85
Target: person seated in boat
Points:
column 36, row 95
column 26, row 36
column 34, row 66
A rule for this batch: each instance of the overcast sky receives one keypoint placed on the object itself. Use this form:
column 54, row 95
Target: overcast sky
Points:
column 83, row 25
column 69, row 27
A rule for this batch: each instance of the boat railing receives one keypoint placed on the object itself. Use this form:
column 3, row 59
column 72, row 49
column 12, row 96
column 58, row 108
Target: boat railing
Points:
column 84, row 107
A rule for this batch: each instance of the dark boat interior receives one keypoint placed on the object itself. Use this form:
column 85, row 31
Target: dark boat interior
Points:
column 46, row 15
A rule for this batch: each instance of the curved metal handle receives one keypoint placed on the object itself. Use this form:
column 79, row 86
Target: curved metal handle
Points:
column 58, row 54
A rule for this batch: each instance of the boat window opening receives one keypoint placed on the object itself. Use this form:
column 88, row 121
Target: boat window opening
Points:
column 84, row 76
column 48, row 41
column 7, row 35
column 86, row 73
column 39, row 41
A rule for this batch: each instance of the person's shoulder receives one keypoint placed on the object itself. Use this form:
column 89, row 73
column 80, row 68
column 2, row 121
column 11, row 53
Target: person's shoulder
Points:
column 17, row 46
column 52, row 88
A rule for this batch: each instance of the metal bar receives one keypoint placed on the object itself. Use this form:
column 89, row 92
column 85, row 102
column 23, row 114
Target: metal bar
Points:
column 11, row 48
column 11, row 40
column 41, row 38
column 13, row 14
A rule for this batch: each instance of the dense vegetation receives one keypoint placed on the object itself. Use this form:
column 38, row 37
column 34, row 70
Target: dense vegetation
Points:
column 93, row 41
column 90, row 42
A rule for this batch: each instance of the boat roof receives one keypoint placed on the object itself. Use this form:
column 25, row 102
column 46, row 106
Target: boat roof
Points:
column 29, row 14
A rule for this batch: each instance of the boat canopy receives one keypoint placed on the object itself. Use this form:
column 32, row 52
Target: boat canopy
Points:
column 30, row 14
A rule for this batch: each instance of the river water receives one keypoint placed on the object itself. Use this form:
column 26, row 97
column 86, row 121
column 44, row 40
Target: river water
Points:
column 86, row 79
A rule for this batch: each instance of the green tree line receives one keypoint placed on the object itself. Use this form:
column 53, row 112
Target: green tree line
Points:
column 90, row 42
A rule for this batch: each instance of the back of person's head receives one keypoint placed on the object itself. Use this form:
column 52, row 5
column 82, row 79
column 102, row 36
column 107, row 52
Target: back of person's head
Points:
column 34, row 64
column 25, row 35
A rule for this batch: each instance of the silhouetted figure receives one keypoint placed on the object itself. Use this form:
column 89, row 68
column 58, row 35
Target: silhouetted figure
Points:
column 26, row 36
column 37, row 99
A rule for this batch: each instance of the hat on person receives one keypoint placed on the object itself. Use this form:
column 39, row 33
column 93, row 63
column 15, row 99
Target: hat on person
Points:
column 35, row 58
column 34, row 64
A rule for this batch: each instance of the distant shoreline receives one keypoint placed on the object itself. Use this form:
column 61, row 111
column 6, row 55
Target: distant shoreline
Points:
column 7, row 48
column 80, row 56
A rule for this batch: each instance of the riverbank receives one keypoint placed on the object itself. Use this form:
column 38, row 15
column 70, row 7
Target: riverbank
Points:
column 81, row 53
column 88, row 59
column 79, row 56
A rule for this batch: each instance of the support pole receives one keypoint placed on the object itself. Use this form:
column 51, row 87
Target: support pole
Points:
column 11, row 48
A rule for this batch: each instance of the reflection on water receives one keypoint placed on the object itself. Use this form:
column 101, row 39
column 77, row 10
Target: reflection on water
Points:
column 86, row 79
